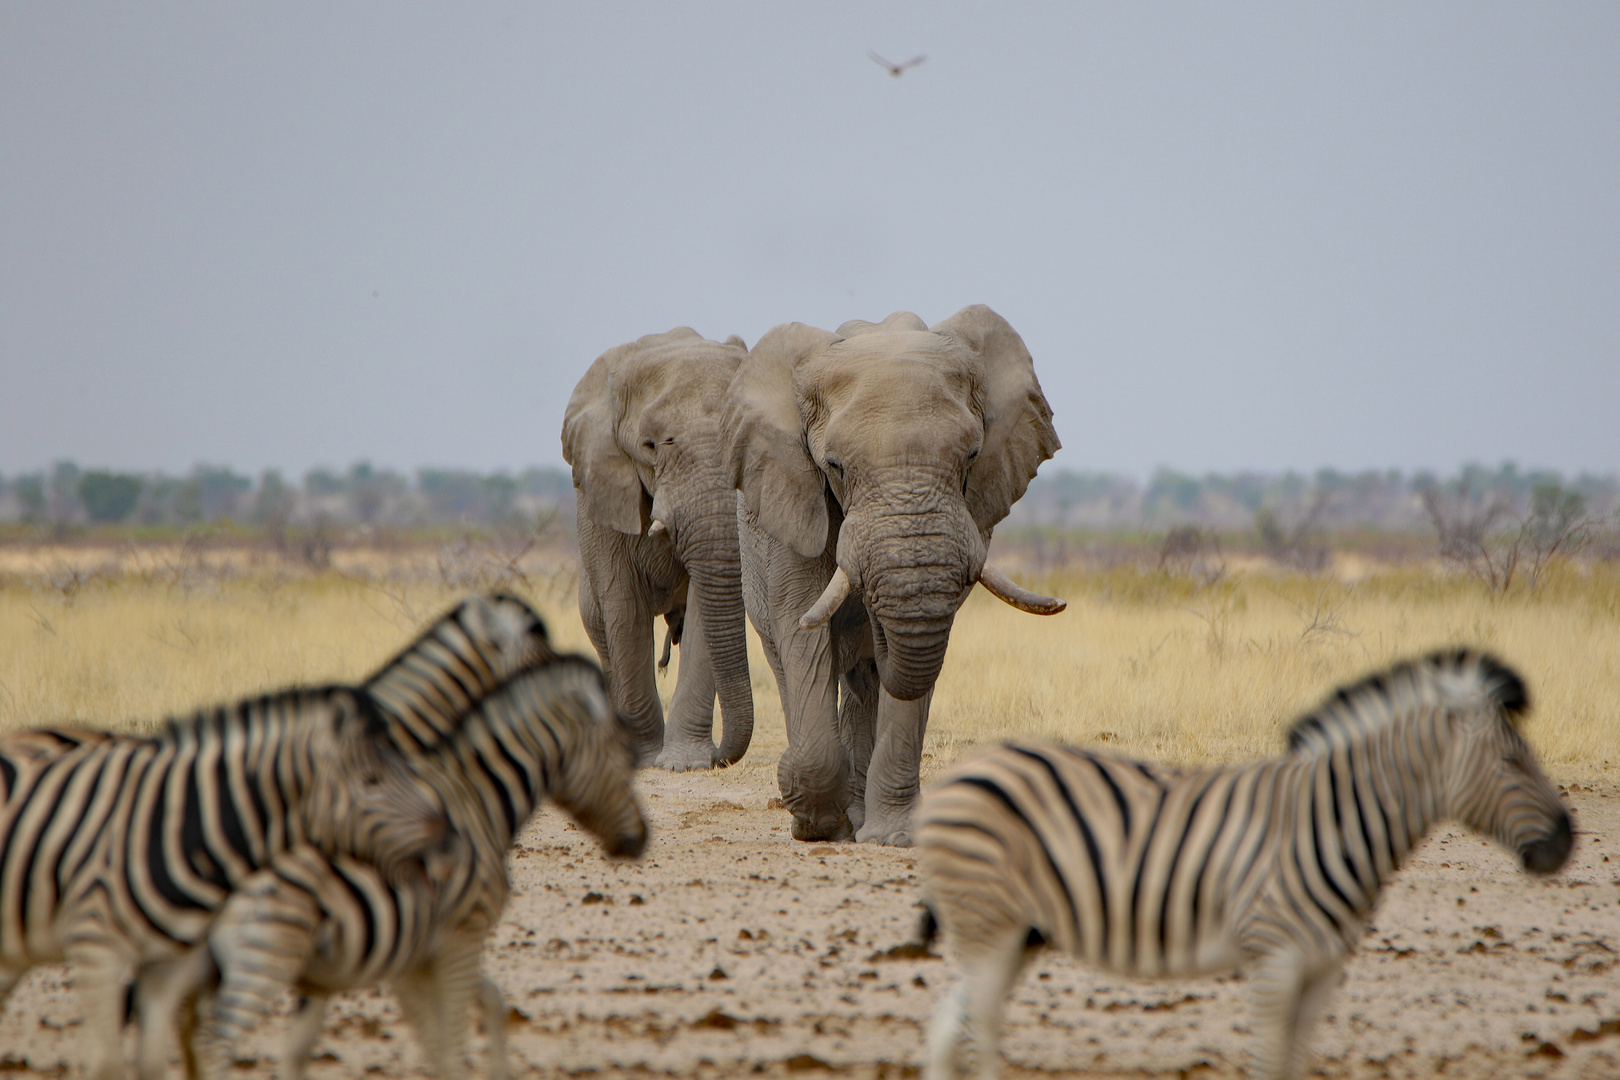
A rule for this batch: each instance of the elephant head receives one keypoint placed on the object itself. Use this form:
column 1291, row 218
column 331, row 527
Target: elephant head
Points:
column 915, row 441
column 642, row 432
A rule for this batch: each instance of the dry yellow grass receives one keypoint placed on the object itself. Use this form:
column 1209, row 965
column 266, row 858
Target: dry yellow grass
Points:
column 1144, row 664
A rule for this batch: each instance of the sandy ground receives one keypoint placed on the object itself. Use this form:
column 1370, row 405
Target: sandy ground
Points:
column 730, row 950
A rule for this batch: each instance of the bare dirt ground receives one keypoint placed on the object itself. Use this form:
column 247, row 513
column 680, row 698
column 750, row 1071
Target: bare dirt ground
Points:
column 732, row 950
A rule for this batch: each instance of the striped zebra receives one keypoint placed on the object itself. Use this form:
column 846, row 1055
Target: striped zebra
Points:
column 464, row 654
column 207, row 829
column 420, row 696
column 118, row 849
column 1269, row 868
column 324, row 925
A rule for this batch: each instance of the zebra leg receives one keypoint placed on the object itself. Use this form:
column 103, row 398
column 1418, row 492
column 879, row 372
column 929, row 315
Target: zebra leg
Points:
column 100, row 977
column 303, row 1033
column 162, row 991
column 946, row 1033
column 493, row 1005
column 1289, row 994
column 971, row 1013
column 262, row 941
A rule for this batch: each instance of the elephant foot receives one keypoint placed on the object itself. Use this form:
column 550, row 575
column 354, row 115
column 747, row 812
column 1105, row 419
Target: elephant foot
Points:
column 686, row 757
column 821, row 828
column 894, row 832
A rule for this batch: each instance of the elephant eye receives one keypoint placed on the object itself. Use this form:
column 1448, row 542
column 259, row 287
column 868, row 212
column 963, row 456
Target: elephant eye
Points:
column 648, row 443
column 835, row 465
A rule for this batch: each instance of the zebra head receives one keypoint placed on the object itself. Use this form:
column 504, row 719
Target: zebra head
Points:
column 364, row 799
column 595, row 780
column 1493, row 783
column 507, row 629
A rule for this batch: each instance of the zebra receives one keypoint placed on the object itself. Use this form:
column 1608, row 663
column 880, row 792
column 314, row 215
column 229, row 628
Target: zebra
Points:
column 1270, row 868
column 425, row 690
column 116, row 849
column 326, row 924
column 407, row 702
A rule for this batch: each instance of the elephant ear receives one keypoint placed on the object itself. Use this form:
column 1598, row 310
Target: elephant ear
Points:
column 610, row 491
column 1018, row 432
column 766, row 456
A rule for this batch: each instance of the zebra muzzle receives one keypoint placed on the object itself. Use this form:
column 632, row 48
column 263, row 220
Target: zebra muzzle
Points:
column 1547, row 855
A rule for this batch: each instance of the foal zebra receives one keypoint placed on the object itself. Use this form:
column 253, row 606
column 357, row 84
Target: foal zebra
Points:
column 326, row 925
column 1271, row 868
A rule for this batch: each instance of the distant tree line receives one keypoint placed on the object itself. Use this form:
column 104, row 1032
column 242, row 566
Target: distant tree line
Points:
column 1283, row 510
column 66, row 496
column 1279, row 504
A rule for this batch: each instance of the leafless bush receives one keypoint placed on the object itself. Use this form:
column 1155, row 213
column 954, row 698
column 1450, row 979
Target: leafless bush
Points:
column 1189, row 551
column 1302, row 546
column 494, row 564
column 314, row 548
column 1482, row 536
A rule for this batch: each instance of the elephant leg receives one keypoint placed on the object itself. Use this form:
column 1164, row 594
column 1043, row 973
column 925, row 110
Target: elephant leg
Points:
column 628, row 667
column 814, row 771
column 892, row 779
column 689, row 732
column 857, row 719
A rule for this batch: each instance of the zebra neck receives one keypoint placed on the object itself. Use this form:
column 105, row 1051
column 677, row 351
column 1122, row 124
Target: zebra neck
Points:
column 510, row 757
column 1404, row 767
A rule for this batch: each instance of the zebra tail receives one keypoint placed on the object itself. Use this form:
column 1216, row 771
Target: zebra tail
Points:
column 927, row 927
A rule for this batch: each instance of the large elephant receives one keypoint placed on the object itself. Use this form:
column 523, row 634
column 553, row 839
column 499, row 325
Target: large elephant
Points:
column 871, row 465
column 658, row 536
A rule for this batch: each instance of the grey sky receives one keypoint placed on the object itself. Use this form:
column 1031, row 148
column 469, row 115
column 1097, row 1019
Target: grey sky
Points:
column 1233, row 235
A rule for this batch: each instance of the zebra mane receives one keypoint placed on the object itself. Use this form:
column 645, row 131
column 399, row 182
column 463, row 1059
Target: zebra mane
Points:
column 271, row 702
column 1445, row 675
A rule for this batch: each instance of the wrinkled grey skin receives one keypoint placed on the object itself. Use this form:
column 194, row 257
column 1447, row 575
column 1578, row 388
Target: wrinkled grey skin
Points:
column 888, row 451
column 642, row 433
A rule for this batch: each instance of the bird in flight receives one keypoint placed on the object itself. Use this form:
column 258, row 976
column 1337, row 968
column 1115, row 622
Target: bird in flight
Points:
column 894, row 69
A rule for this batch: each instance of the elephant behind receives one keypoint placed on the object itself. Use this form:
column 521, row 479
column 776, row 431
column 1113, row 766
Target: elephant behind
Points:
column 658, row 536
column 871, row 466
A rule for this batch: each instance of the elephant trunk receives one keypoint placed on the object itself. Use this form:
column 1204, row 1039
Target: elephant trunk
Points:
column 707, row 546
column 909, row 662
column 914, row 571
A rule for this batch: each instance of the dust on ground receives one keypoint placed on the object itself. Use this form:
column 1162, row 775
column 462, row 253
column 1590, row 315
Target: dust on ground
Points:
column 732, row 950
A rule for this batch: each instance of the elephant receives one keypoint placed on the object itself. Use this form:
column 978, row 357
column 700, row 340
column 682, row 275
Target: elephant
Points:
column 657, row 528
column 871, row 465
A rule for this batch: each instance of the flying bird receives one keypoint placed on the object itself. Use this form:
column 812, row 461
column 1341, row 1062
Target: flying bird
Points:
column 894, row 69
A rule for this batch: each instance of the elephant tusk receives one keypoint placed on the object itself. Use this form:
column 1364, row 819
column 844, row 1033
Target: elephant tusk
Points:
column 1003, row 588
column 836, row 591
column 657, row 528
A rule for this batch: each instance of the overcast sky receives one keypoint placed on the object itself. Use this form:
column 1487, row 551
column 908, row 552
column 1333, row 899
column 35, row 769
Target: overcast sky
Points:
column 1232, row 235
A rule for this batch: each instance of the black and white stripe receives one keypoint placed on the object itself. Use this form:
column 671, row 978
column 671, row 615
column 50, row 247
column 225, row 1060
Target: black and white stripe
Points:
column 464, row 654
column 116, row 850
column 1270, row 868
column 326, row 925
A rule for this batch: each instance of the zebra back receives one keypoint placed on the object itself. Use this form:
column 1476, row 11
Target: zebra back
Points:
column 172, row 822
column 425, row 690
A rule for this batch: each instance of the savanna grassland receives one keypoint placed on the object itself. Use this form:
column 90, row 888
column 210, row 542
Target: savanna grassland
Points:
column 731, row 949
column 1152, row 664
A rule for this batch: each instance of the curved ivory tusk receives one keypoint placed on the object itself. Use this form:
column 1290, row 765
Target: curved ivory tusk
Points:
column 657, row 528
column 1003, row 588
column 832, row 596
